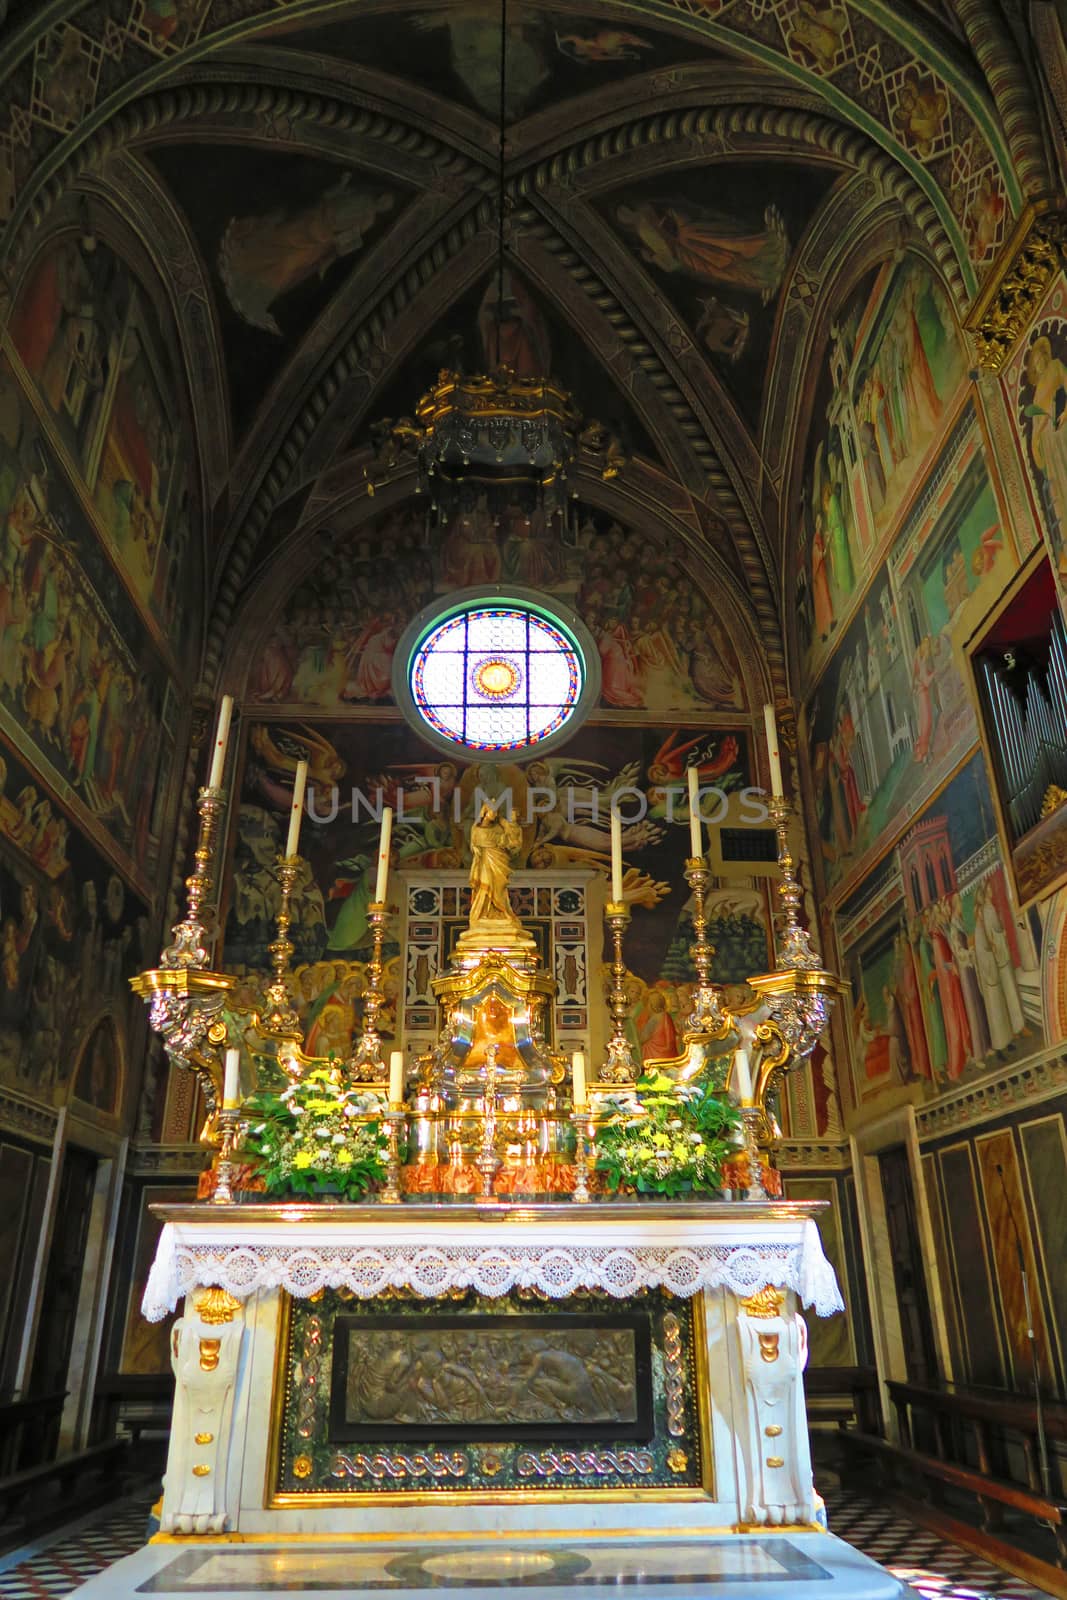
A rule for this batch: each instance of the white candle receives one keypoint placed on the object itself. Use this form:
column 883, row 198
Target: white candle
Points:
column 772, row 752
column 222, row 735
column 578, row 1089
column 616, row 857
column 742, row 1078
column 297, row 811
column 231, row 1080
column 696, row 843
column 382, row 884
column 396, row 1079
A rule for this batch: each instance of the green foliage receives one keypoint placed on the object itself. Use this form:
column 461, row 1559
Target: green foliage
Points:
column 674, row 1141
column 316, row 1136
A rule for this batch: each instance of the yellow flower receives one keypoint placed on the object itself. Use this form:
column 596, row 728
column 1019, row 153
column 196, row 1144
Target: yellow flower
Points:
column 681, row 1152
column 303, row 1159
column 344, row 1158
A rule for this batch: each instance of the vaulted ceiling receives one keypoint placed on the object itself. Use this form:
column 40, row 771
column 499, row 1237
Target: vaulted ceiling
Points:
column 687, row 181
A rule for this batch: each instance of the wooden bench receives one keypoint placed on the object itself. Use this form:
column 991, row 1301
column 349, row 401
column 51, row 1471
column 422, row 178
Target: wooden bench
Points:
column 32, row 1498
column 29, row 1430
column 993, row 1495
column 132, row 1403
column 987, row 1415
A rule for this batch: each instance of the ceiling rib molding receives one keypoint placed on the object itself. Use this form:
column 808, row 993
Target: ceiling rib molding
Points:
column 738, row 131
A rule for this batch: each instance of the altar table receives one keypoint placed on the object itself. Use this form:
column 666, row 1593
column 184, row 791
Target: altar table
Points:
column 748, row 1268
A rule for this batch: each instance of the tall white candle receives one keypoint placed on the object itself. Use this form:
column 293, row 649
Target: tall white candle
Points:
column 742, row 1076
column 616, row 857
column 578, row 1089
column 297, row 811
column 231, row 1080
column 382, row 883
column 772, row 751
column 396, row 1078
column 696, row 843
column 222, row 736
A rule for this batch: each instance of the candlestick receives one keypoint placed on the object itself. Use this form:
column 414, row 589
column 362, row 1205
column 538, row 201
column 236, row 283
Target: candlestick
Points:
column 297, row 810
column 365, row 1064
column 578, row 1088
column 391, row 1195
column 229, row 1118
column 383, row 854
column 707, row 1015
column 396, row 1079
column 280, row 1019
column 696, row 843
column 621, row 1066
column 773, row 757
column 616, row 857
column 194, row 935
column 222, row 735
column 231, row 1079
column 581, row 1157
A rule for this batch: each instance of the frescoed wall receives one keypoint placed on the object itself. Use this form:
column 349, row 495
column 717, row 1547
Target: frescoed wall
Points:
column 87, row 337
column 946, row 975
column 893, row 714
column 71, row 935
column 892, row 371
column 82, row 687
column 662, row 648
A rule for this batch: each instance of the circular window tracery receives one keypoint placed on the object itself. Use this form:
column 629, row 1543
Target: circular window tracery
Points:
column 496, row 675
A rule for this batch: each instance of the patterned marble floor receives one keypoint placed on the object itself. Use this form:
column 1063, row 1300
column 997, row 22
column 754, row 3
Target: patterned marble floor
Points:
column 936, row 1570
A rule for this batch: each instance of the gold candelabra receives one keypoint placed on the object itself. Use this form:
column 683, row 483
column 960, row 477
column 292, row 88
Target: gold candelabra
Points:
column 365, row 1064
column 186, row 999
column 193, row 936
column 229, row 1121
column 800, row 993
column 280, row 1019
column 621, row 1066
column 707, row 1015
column 391, row 1195
column 582, row 1136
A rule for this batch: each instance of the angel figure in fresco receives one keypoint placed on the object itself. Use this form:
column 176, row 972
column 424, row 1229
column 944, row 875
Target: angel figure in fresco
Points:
column 1047, row 376
column 921, row 109
column 677, row 236
column 262, row 258
column 817, row 32
column 610, row 44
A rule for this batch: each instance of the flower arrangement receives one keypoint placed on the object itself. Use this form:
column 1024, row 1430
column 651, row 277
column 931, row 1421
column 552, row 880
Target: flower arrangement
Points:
column 676, row 1139
column 316, row 1137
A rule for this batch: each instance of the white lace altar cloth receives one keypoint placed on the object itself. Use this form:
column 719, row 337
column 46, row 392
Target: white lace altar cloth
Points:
column 617, row 1255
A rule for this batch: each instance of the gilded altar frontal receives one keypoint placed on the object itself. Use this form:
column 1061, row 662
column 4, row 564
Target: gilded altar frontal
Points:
column 489, row 1396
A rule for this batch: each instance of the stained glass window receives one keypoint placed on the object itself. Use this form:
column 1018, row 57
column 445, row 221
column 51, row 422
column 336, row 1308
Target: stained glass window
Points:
column 497, row 677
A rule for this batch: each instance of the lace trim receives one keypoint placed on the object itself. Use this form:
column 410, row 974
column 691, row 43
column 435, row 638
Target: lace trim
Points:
column 556, row 1270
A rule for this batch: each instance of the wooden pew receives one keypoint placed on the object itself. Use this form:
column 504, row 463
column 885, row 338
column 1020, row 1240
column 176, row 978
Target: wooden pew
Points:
column 988, row 1415
column 29, row 1430
column 903, row 1466
column 52, row 1491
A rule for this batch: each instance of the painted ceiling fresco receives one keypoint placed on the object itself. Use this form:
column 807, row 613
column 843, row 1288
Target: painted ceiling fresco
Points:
column 279, row 237
column 552, row 55
column 718, row 242
column 667, row 169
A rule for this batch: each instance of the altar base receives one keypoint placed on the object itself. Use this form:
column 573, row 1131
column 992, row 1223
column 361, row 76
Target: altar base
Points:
column 661, row 1564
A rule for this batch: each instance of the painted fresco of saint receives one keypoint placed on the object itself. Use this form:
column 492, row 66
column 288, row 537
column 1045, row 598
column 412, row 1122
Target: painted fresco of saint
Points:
column 678, row 236
column 262, row 258
column 1046, row 376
